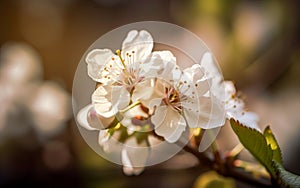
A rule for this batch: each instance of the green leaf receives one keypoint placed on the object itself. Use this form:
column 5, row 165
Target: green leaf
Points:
column 142, row 135
column 123, row 134
column 256, row 144
column 271, row 140
column 288, row 178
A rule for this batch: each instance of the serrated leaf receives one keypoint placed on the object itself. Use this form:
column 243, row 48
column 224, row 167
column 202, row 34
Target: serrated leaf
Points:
column 271, row 140
column 288, row 178
column 256, row 144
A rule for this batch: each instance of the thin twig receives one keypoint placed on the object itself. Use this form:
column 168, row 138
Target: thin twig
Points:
column 227, row 168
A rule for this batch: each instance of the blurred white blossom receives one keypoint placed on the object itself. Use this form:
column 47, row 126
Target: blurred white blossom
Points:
column 27, row 102
column 50, row 107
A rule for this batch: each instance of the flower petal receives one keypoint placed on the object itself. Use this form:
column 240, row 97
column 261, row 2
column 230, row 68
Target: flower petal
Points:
column 109, row 100
column 143, row 90
column 235, row 108
column 168, row 123
column 203, row 86
column 249, row 119
column 82, row 118
column 150, row 93
column 110, row 144
column 134, row 156
column 191, row 113
column 155, row 63
column 196, row 72
column 212, row 71
column 141, row 42
column 96, row 60
column 97, row 121
column 207, row 138
column 211, row 114
column 169, row 71
column 230, row 90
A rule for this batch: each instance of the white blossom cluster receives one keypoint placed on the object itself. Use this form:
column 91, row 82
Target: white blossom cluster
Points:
column 143, row 95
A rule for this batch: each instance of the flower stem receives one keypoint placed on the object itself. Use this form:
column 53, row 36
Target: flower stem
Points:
column 130, row 106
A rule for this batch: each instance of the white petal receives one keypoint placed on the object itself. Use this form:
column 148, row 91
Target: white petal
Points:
column 208, row 137
column 82, row 118
column 156, row 63
column 143, row 90
column 150, row 93
column 207, row 62
column 212, row 113
column 108, row 100
column 212, row 71
column 110, row 144
column 96, row 60
column 140, row 42
column 97, row 121
column 168, row 70
column 203, row 86
column 103, row 137
column 168, row 123
column 196, row 76
column 235, row 108
column 191, row 113
column 230, row 90
column 160, row 115
column 248, row 119
column 102, row 100
column 120, row 96
column 196, row 72
column 153, row 103
column 184, row 85
column 134, row 156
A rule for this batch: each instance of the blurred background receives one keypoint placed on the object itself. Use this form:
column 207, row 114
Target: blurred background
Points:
column 257, row 44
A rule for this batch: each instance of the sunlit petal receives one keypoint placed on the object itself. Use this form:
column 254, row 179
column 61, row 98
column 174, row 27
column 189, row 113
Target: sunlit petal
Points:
column 211, row 114
column 168, row 123
column 108, row 100
column 109, row 143
column 134, row 156
column 141, row 42
column 96, row 60
column 235, row 108
column 143, row 90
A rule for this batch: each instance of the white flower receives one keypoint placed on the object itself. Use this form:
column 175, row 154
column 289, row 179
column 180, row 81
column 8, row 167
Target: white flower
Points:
column 133, row 155
column 180, row 98
column 129, row 65
column 235, row 108
column 122, row 71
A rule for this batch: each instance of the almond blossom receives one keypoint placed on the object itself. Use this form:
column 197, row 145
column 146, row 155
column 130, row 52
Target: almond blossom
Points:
column 119, row 73
column 180, row 98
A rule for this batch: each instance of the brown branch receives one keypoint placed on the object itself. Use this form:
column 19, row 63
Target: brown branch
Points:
column 226, row 168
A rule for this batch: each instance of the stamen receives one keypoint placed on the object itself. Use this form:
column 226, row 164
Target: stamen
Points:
column 122, row 60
